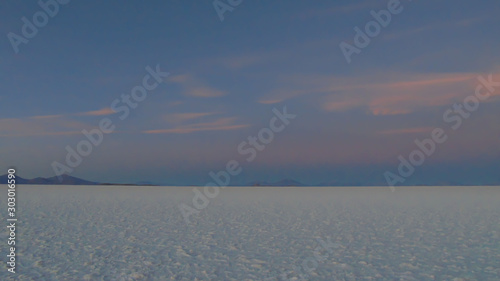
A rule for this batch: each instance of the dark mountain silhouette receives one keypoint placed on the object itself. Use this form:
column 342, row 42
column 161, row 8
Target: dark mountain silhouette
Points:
column 69, row 180
column 65, row 180
column 40, row 180
column 4, row 179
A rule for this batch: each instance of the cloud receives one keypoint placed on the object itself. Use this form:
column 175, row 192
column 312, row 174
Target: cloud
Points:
column 100, row 112
column 270, row 101
column 181, row 117
column 192, row 130
column 407, row 131
column 174, row 103
column 179, row 78
column 46, row 116
column 430, row 81
column 47, row 125
column 381, row 93
column 342, row 105
column 221, row 124
column 195, row 88
column 28, row 127
column 410, row 95
column 279, row 95
column 388, row 111
column 41, row 134
column 204, row 92
column 435, row 26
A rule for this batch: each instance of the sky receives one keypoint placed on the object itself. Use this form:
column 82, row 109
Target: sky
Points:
column 228, row 69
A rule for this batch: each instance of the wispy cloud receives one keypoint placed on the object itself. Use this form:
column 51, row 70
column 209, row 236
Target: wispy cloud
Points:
column 281, row 94
column 46, row 116
column 192, row 130
column 421, row 92
column 435, row 26
column 194, row 87
column 407, row 131
column 29, row 127
column 174, row 103
column 204, row 92
column 378, row 94
column 47, row 125
column 181, row 117
column 342, row 105
column 181, row 78
column 270, row 101
column 40, row 134
column 428, row 81
column 221, row 124
column 100, row 112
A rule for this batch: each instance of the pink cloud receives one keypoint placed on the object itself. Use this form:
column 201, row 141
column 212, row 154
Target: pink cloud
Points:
column 204, row 92
column 431, row 81
column 270, row 101
column 41, row 134
column 100, row 112
column 388, row 111
column 407, row 131
column 183, row 78
column 25, row 127
column 191, row 130
column 46, row 116
column 194, row 87
column 181, row 117
column 400, row 95
column 222, row 124
column 379, row 94
column 342, row 105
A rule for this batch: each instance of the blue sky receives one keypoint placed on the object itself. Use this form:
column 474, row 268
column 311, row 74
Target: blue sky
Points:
column 353, row 119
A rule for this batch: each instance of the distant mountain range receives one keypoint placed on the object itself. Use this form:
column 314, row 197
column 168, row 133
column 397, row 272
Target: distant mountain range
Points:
column 69, row 180
column 65, row 180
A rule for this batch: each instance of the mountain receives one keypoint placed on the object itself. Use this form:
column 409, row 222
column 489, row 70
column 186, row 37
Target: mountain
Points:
column 69, row 180
column 4, row 179
column 65, row 180
column 40, row 180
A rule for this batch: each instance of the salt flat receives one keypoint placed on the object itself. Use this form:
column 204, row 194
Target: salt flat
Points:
column 248, row 233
